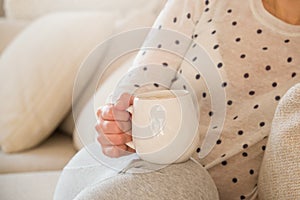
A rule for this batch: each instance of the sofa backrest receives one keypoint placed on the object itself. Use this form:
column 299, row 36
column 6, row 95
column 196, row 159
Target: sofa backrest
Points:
column 31, row 9
column 1, row 8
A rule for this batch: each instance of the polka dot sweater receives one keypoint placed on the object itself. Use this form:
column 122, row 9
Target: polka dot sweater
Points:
column 256, row 58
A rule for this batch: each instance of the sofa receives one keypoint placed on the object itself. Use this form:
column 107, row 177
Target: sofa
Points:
column 42, row 47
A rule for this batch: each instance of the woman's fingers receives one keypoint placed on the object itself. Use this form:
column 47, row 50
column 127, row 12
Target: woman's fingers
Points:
column 113, row 127
column 111, row 113
column 124, row 101
column 117, row 151
column 114, row 139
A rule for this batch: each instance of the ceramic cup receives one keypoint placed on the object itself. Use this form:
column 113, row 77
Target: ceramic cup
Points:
column 164, row 126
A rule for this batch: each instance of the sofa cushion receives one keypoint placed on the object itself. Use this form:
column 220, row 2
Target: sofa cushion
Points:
column 53, row 154
column 33, row 186
column 9, row 29
column 37, row 72
column 31, row 9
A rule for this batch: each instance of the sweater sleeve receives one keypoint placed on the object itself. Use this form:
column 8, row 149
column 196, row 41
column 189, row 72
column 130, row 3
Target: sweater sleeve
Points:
column 157, row 61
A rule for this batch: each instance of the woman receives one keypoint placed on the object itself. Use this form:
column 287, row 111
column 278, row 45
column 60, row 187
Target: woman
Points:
column 243, row 39
column 255, row 45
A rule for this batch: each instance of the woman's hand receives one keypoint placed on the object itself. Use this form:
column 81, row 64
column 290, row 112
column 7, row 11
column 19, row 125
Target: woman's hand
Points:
column 114, row 127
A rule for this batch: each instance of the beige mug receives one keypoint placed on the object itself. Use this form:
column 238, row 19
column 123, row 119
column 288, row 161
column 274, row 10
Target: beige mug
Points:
column 164, row 126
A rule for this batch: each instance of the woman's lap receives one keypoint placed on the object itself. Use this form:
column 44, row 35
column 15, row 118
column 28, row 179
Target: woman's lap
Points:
column 88, row 178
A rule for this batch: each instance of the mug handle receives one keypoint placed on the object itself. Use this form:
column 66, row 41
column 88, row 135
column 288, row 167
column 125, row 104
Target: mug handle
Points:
column 130, row 144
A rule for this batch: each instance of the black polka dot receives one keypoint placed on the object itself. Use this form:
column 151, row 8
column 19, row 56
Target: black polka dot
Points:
column 206, row 10
column 224, row 84
column 174, row 79
column 180, row 71
column 235, row 117
column 245, row 154
column 215, row 127
column 159, row 27
column 256, row 106
column 198, row 150
column 274, row 84
column 289, row 59
column 220, row 65
column 208, row 21
column 263, row 147
column 195, row 35
column 197, row 76
column 216, row 46
column 229, row 11
column 262, row 124
column 194, row 45
column 234, row 23
column 222, row 156
column 242, row 197
column 177, row 42
column 251, row 93
column 145, row 68
column 240, row 132
column 194, row 59
column 210, row 113
column 245, row 146
column 243, row 56
column 143, row 53
column 136, row 85
column 234, row 180
column 213, row 32
column 219, row 141
column 156, row 85
column 165, row 64
column 286, row 41
column 265, row 48
column 251, row 171
column 238, row 39
column 259, row 31
column 206, row 2
column 293, row 74
column 204, row 94
column 229, row 102
column 184, row 87
column 175, row 19
column 159, row 46
column 246, row 75
column 188, row 15
column 268, row 68
column 224, row 162
column 277, row 98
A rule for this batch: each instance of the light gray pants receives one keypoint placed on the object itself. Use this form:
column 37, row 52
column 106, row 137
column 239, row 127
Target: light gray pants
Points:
column 85, row 178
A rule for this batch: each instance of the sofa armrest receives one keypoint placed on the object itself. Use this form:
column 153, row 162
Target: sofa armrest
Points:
column 9, row 29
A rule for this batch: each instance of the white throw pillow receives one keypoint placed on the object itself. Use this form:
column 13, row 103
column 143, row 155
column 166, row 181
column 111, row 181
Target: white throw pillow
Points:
column 37, row 73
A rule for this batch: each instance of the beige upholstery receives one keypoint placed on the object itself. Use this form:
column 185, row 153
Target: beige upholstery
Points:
column 8, row 30
column 25, row 186
column 53, row 154
column 279, row 176
column 1, row 8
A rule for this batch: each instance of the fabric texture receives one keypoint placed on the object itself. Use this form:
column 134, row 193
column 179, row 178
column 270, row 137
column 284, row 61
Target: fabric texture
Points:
column 33, row 186
column 32, row 9
column 178, row 181
column 53, row 154
column 279, row 176
column 98, row 177
column 36, row 88
column 9, row 29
